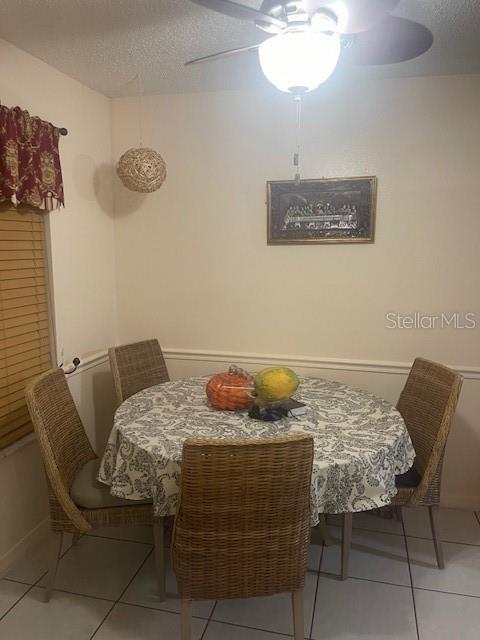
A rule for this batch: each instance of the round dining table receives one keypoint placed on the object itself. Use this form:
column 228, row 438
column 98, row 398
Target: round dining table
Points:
column 360, row 443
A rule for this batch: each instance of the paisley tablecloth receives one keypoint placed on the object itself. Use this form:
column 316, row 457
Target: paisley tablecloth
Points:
column 360, row 443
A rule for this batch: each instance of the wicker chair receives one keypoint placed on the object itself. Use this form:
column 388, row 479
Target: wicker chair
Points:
column 137, row 366
column 427, row 404
column 243, row 523
column 77, row 501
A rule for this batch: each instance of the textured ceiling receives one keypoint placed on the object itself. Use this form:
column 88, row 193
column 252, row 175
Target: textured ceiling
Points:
column 106, row 43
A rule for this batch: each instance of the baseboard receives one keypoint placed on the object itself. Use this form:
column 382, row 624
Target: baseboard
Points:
column 34, row 536
column 310, row 362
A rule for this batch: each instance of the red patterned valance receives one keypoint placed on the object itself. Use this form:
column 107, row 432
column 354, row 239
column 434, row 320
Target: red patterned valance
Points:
column 30, row 171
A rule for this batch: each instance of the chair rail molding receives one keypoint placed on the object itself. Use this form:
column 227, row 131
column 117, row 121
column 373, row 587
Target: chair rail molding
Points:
column 87, row 361
column 309, row 362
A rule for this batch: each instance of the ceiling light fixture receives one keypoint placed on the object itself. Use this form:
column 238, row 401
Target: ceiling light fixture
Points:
column 299, row 61
column 307, row 37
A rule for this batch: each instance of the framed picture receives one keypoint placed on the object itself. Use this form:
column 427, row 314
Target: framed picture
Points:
column 321, row 211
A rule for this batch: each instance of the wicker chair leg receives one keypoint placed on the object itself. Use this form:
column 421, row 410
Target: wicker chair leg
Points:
column 75, row 538
column 159, row 539
column 55, row 551
column 323, row 528
column 433, row 513
column 186, row 619
column 298, row 616
column 346, row 542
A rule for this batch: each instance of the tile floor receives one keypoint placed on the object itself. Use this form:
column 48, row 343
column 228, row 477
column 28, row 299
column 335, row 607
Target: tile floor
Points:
column 106, row 590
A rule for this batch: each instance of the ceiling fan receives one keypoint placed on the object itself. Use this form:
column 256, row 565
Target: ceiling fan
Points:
column 308, row 37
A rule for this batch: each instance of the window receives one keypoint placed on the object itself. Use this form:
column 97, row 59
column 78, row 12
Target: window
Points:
column 24, row 316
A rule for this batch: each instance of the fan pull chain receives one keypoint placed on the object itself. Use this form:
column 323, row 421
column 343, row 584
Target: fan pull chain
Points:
column 296, row 155
column 140, row 108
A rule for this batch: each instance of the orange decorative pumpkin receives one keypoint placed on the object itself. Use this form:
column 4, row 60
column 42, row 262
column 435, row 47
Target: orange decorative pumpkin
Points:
column 231, row 390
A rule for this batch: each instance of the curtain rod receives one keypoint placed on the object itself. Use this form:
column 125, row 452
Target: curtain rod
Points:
column 61, row 130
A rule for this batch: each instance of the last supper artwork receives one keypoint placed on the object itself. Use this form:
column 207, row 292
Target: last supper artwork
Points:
column 327, row 210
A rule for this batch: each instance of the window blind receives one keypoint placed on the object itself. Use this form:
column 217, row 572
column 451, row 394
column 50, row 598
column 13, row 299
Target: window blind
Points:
column 24, row 316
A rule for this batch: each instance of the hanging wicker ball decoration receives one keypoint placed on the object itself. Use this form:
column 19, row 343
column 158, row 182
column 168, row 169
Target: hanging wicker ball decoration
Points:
column 142, row 170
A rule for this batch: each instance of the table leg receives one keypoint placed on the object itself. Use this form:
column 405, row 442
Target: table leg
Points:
column 346, row 542
column 159, row 540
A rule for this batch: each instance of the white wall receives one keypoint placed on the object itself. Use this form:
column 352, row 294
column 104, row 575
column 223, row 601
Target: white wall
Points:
column 82, row 257
column 194, row 269
column 192, row 258
column 93, row 393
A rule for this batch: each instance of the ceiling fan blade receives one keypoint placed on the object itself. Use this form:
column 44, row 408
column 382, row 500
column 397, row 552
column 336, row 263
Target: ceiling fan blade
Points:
column 240, row 11
column 222, row 54
column 391, row 40
column 353, row 16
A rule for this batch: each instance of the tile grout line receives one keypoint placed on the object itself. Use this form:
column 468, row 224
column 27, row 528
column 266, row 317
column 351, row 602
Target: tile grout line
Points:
column 448, row 593
column 411, row 578
column 209, row 619
column 316, row 589
column 77, row 593
column 32, row 585
column 103, row 620
column 408, row 535
column 464, row 544
column 93, row 535
column 243, row 626
column 404, row 586
column 114, row 604
column 231, row 624
column 62, row 555
column 17, row 601
column 177, row 613
column 14, row 580
column 144, row 606
column 390, row 584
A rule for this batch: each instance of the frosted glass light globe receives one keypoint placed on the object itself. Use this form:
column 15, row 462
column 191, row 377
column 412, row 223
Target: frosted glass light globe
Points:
column 299, row 61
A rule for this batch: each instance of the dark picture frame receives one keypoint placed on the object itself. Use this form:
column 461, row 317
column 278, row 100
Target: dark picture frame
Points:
column 319, row 211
